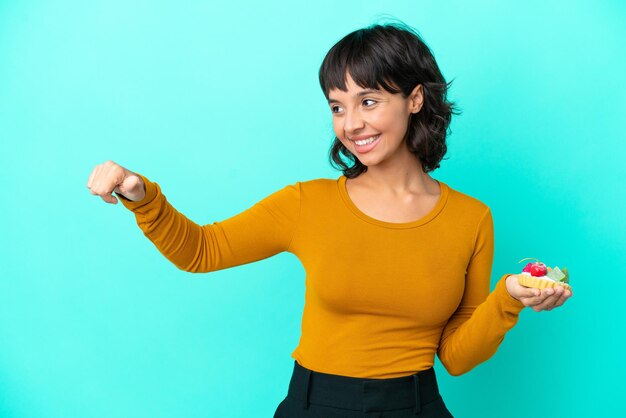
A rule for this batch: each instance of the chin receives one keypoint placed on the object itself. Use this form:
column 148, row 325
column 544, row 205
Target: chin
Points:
column 369, row 162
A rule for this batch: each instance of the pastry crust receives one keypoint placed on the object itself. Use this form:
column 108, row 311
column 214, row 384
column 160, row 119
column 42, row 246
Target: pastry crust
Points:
column 536, row 282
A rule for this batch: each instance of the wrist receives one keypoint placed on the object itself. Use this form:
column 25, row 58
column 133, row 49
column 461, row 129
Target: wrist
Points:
column 505, row 296
column 509, row 285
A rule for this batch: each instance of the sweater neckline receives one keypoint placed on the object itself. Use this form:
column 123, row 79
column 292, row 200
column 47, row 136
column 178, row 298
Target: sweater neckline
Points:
column 443, row 198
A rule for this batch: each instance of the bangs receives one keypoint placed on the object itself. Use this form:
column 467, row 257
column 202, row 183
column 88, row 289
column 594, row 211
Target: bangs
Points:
column 360, row 55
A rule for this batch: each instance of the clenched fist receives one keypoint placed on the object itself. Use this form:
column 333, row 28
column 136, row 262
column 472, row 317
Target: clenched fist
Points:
column 109, row 177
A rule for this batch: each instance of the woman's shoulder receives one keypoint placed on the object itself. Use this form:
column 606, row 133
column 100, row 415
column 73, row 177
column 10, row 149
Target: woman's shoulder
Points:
column 319, row 184
column 315, row 188
column 466, row 200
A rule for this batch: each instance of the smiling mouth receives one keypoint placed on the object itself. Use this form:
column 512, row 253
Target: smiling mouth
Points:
column 366, row 141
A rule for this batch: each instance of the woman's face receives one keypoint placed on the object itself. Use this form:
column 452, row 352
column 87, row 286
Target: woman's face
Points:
column 377, row 117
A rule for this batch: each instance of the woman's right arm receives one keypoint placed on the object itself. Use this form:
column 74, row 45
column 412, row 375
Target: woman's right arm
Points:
column 263, row 230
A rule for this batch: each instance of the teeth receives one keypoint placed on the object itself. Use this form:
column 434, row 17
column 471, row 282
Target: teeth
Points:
column 367, row 141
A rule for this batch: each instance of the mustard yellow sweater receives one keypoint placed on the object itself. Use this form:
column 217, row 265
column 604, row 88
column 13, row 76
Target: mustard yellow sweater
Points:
column 381, row 298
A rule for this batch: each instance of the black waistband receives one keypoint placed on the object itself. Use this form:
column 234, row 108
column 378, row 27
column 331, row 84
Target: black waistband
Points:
column 363, row 394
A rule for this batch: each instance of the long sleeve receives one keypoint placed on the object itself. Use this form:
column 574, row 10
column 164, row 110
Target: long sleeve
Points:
column 477, row 327
column 259, row 232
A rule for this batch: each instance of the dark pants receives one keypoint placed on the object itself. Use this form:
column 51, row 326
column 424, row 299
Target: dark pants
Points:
column 320, row 395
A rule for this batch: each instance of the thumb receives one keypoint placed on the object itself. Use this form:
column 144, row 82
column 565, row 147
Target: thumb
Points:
column 131, row 187
column 525, row 291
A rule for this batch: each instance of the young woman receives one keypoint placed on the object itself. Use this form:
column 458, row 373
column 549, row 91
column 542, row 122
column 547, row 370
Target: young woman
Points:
column 398, row 264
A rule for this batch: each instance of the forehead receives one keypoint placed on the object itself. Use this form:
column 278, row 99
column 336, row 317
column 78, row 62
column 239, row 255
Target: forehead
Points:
column 353, row 90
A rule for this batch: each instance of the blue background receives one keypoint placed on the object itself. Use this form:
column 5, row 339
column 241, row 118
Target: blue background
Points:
column 219, row 103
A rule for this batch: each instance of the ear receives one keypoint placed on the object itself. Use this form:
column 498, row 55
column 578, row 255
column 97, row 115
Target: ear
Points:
column 416, row 99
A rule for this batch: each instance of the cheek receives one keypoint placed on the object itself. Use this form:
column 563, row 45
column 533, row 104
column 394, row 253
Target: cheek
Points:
column 337, row 128
column 396, row 122
column 345, row 142
column 384, row 122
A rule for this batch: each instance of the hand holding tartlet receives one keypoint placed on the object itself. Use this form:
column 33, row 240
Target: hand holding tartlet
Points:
column 539, row 286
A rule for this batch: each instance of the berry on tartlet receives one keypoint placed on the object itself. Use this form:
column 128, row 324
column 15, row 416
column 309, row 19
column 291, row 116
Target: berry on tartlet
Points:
column 540, row 276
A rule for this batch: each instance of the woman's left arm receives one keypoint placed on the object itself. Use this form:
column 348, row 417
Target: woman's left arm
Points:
column 476, row 329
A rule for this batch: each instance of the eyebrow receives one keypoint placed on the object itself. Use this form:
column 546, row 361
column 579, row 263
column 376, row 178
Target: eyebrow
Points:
column 359, row 94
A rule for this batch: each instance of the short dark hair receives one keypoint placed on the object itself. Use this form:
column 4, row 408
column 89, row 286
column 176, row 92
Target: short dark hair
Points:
column 393, row 57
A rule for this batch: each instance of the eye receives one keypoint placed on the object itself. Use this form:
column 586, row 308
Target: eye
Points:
column 369, row 100
column 335, row 109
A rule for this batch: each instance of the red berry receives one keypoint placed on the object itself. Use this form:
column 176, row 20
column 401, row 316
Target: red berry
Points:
column 527, row 267
column 538, row 269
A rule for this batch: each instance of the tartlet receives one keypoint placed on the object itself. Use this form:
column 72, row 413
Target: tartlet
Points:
column 540, row 276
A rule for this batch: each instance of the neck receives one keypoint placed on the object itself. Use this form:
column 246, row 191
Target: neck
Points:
column 400, row 178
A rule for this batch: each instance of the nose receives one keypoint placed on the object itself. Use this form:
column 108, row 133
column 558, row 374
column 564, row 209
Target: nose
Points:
column 352, row 123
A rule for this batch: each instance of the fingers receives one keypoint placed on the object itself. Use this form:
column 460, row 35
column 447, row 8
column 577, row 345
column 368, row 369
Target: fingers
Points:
column 535, row 297
column 109, row 198
column 520, row 291
column 531, row 293
column 104, row 178
column 549, row 299
column 534, row 301
column 91, row 176
column 564, row 296
column 94, row 175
